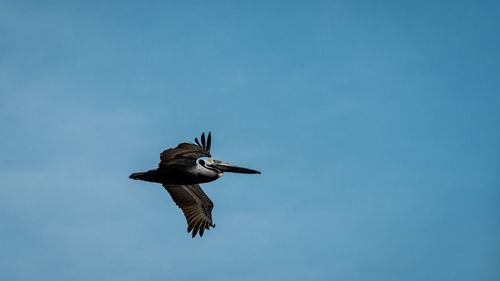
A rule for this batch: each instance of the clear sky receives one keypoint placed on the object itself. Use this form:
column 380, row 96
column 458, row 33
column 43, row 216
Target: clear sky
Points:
column 376, row 125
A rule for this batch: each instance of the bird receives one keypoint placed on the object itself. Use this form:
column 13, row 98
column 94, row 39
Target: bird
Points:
column 181, row 171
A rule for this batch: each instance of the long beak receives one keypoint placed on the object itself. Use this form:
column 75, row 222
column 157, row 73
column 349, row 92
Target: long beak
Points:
column 225, row 167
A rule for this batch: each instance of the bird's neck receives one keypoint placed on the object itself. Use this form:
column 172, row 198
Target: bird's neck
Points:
column 204, row 174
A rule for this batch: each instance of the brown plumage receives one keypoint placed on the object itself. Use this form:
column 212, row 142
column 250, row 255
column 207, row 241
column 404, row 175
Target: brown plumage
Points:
column 181, row 170
column 187, row 150
column 195, row 205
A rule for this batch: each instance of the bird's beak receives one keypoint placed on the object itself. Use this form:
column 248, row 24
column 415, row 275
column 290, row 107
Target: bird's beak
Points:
column 225, row 167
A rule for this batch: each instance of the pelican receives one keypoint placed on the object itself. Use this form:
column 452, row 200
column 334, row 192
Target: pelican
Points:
column 181, row 170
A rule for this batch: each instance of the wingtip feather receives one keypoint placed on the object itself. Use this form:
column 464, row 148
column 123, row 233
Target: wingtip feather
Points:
column 203, row 140
column 209, row 141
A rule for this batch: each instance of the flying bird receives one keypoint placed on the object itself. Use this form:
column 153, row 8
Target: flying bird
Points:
column 181, row 170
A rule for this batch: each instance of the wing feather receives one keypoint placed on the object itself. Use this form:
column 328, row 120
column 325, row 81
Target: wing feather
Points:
column 187, row 150
column 195, row 205
column 209, row 141
column 203, row 141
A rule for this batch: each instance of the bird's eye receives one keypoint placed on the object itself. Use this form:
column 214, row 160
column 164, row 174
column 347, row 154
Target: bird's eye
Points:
column 202, row 162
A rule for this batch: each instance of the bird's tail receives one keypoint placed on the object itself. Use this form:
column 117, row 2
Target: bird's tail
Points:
column 144, row 176
column 137, row 176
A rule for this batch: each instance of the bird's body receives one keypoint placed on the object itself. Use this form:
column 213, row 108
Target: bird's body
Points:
column 181, row 170
column 177, row 174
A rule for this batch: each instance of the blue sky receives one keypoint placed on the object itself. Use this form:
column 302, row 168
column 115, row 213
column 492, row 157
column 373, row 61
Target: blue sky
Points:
column 375, row 124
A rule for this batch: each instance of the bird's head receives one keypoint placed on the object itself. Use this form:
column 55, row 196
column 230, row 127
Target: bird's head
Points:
column 221, row 167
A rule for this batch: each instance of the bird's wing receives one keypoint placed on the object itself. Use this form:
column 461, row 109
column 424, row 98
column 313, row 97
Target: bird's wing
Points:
column 195, row 205
column 187, row 150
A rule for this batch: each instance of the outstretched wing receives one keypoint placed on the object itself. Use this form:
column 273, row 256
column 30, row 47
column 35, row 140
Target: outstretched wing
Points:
column 195, row 205
column 187, row 150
